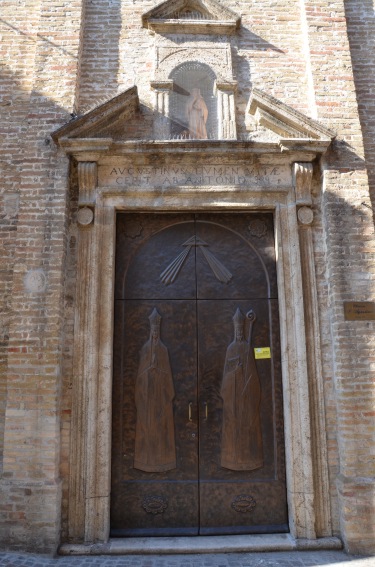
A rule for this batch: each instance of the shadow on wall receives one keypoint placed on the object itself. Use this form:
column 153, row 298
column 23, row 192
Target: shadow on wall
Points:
column 100, row 57
column 33, row 225
column 361, row 32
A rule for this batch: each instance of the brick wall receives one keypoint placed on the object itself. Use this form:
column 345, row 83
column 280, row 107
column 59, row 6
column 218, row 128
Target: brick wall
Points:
column 40, row 52
column 298, row 51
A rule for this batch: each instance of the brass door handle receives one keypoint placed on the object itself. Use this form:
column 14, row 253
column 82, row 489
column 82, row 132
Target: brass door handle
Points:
column 190, row 406
column 205, row 411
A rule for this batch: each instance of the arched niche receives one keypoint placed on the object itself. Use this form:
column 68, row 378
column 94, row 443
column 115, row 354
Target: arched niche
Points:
column 193, row 95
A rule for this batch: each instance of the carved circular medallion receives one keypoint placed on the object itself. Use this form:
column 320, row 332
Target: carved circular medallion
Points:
column 305, row 215
column 154, row 504
column 133, row 229
column 35, row 281
column 85, row 216
column 244, row 503
column 257, row 228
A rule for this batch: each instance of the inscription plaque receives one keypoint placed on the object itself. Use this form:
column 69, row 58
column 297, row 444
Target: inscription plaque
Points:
column 122, row 175
column 359, row 310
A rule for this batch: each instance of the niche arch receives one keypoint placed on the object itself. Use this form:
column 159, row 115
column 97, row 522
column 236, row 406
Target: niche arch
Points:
column 186, row 77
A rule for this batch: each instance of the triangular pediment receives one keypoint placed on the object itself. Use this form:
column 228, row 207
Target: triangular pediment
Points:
column 285, row 121
column 105, row 119
column 191, row 16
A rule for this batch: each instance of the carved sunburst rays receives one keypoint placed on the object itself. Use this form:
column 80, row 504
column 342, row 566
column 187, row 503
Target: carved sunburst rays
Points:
column 169, row 275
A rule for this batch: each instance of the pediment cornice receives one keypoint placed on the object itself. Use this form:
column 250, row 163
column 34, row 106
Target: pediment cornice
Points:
column 285, row 121
column 206, row 16
column 91, row 124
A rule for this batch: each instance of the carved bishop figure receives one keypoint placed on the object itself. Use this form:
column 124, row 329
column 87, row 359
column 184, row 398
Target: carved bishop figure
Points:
column 241, row 442
column 154, row 392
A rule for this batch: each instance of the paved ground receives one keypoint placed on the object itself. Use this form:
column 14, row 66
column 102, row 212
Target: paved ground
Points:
column 274, row 559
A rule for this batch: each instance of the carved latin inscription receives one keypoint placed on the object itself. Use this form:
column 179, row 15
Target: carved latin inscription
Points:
column 241, row 442
column 155, row 449
column 123, row 175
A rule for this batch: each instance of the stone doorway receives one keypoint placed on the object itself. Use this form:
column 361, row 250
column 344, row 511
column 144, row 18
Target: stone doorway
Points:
column 198, row 442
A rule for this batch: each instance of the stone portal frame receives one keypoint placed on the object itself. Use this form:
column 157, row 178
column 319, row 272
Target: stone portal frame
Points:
column 287, row 195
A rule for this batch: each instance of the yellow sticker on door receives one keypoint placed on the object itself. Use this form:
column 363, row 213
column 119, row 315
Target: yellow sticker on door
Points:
column 264, row 352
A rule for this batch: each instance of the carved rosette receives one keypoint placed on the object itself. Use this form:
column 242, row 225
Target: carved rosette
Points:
column 305, row 216
column 257, row 228
column 154, row 505
column 85, row 216
column 243, row 503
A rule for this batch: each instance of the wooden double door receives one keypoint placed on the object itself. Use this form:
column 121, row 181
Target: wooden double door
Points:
column 197, row 402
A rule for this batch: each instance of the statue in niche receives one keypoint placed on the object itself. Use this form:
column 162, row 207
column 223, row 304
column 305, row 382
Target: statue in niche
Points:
column 155, row 449
column 197, row 114
column 241, row 442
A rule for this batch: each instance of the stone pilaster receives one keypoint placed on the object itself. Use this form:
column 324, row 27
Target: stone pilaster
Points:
column 162, row 90
column 302, row 178
column 226, row 110
column 84, row 362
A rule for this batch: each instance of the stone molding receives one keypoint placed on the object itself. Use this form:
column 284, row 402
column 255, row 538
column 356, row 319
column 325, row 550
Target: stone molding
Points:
column 217, row 19
column 218, row 57
column 281, row 118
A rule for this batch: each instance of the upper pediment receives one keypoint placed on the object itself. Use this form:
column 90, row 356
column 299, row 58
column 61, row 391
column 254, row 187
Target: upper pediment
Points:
column 123, row 119
column 191, row 16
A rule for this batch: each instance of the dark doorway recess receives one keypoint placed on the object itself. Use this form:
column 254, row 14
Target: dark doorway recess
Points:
column 198, row 442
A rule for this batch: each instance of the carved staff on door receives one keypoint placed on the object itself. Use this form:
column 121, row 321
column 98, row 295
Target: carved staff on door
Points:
column 241, row 442
column 155, row 449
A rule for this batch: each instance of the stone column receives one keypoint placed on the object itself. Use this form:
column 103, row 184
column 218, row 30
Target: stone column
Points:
column 302, row 178
column 226, row 110
column 162, row 90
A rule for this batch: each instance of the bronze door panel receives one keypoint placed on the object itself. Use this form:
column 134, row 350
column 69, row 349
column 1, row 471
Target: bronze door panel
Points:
column 155, row 485
column 250, row 260
column 186, row 460
column 151, row 252
column 260, row 454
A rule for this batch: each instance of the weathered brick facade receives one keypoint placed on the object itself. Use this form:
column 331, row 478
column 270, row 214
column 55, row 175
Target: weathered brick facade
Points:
column 63, row 58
